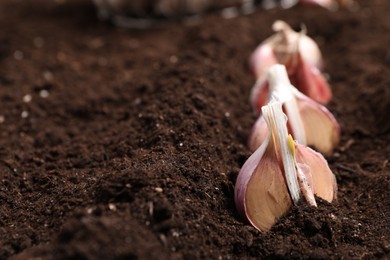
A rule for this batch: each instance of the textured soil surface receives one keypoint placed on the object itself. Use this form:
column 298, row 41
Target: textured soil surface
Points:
column 126, row 144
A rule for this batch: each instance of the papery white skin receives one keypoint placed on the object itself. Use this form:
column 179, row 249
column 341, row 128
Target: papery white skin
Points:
column 306, row 183
column 276, row 120
column 310, row 123
column 324, row 181
column 280, row 88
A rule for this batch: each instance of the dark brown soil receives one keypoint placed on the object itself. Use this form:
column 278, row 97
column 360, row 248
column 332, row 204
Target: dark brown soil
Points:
column 135, row 152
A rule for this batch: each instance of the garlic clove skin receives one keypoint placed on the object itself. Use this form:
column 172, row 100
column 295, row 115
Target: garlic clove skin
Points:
column 324, row 181
column 306, row 183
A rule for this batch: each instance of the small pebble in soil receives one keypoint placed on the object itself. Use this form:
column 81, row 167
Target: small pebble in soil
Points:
column 102, row 61
column 47, row 75
column 38, row 42
column 150, row 208
column 24, row 114
column 229, row 13
column 173, row 59
column 137, row 101
column 18, row 55
column 2, row 119
column 27, row 98
column 158, row 189
column 112, row 206
column 44, row 93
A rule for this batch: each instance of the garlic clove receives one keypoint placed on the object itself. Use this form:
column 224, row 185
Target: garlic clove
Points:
column 287, row 42
column 280, row 47
column 309, row 122
column 267, row 184
column 302, row 57
column 278, row 172
column 324, row 181
column 261, row 195
column 321, row 128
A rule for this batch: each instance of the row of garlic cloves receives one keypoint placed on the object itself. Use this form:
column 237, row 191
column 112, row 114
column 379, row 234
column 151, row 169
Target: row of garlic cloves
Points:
column 289, row 95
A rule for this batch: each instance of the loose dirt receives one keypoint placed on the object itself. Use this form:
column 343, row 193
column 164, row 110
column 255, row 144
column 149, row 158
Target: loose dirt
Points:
column 125, row 144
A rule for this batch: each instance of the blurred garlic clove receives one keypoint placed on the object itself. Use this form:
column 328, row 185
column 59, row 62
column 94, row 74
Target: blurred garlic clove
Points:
column 299, row 54
column 280, row 47
column 308, row 121
column 331, row 5
column 328, row 4
column 288, row 42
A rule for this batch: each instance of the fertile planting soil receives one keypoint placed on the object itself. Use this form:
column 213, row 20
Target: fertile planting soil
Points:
column 132, row 140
